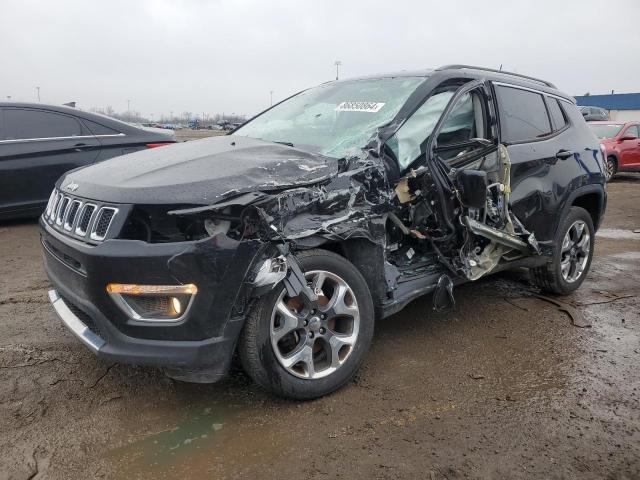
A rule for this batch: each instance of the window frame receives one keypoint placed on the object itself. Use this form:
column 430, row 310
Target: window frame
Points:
column 88, row 124
column 637, row 135
column 78, row 119
column 544, row 94
column 488, row 114
column 567, row 121
column 468, row 157
column 81, row 125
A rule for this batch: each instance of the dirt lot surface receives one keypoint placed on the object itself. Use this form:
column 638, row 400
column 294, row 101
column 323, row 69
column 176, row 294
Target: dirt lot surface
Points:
column 504, row 387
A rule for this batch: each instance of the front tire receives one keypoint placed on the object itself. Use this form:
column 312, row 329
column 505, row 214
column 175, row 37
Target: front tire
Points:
column 610, row 168
column 304, row 350
column 572, row 255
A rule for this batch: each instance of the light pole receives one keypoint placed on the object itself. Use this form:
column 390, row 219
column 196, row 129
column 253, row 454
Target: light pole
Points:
column 337, row 63
column 271, row 93
column 38, row 89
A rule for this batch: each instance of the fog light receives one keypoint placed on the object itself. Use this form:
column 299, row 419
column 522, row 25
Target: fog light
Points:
column 153, row 303
column 177, row 306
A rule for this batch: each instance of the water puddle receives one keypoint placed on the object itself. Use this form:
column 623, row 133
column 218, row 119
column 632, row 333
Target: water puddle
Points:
column 195, row 440
column 199, row 428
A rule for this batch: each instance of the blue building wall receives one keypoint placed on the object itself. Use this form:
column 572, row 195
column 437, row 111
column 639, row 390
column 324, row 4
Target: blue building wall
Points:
column 616, row 101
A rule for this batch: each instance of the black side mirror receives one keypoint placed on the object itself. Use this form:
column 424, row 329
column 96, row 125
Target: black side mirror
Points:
column 473, row 187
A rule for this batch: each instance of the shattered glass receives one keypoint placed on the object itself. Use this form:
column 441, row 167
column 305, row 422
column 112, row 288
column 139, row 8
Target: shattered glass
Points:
column 315, row 120
column 407, row 142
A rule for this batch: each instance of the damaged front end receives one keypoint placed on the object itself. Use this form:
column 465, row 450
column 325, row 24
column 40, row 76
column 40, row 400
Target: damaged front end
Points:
column 440, row 225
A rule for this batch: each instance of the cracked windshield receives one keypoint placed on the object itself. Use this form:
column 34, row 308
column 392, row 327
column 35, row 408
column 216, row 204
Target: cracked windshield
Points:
column 334, row 119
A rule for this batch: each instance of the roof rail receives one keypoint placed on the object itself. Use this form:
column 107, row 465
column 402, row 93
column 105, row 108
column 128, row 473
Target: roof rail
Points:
column 493, row 70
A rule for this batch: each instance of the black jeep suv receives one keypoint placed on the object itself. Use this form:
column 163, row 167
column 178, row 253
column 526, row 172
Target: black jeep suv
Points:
column 288, row 238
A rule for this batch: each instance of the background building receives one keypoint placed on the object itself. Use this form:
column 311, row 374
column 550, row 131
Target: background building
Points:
column 621, row 106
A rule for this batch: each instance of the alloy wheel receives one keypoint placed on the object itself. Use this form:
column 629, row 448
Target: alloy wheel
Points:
column 314, row 339
column 609, row 169
column 574, row 254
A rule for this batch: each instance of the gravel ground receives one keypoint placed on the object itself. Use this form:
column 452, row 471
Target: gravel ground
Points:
column 503, row 387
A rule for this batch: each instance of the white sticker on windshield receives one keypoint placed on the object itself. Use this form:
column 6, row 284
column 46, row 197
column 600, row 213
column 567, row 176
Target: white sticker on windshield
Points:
column 370, row 107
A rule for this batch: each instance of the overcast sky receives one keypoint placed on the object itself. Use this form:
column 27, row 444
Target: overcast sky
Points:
column 219, row 56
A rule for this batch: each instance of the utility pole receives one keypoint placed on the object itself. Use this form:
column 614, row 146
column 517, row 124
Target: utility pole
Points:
column 38, row 89
column 337, row 63
column 128, row 109
column 271, row 93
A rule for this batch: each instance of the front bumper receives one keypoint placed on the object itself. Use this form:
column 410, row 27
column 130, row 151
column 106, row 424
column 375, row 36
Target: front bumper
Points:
column 73, row 323
column 204, row 340
column 213, row 355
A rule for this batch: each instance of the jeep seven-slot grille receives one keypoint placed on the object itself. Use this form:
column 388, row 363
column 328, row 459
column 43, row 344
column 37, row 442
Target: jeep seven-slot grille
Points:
column 85, row 219
column 103, row 220
column 79, row 218
column 71, row 215
column 62, row 208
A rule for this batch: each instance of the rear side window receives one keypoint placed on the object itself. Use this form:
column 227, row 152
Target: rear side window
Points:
column 25, row 124
column 555, row 110
column 523, row 115
column 98, row 129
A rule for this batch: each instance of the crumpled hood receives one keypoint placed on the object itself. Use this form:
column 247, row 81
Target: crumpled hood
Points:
column 199, row 172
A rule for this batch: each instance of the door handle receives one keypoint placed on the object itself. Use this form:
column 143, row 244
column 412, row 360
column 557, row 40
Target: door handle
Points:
column 564, row 154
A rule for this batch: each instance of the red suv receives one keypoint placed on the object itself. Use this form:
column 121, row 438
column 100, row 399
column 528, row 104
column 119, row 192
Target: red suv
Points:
column 621, row 141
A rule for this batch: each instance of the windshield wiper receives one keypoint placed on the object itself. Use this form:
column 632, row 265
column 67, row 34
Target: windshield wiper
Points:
column 288, row 144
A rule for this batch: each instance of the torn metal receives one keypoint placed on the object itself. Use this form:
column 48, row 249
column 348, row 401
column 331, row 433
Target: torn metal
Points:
column 419, row 235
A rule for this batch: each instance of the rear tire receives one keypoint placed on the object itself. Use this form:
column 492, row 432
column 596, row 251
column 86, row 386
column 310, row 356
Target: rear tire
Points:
column 304, row 351
column 572, row 255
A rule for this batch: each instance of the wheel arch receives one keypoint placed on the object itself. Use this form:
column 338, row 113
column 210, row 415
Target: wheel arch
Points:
column 590, row 197
column 368, row 257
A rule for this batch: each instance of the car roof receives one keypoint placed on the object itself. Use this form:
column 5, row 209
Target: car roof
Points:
column 468, row 71
column 609, row 122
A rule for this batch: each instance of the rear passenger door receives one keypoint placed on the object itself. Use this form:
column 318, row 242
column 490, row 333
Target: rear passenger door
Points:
column 544, row 157
column 36, row 148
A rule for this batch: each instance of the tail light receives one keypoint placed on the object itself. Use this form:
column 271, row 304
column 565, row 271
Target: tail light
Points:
column 160, row 144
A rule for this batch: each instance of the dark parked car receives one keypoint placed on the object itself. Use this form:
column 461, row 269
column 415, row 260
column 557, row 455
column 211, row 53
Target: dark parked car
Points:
column 286, row 240
column 39, row 143
column 621, row 141
column 594, row 113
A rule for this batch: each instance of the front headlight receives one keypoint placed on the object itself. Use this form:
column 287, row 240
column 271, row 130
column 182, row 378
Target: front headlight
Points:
column 271, row 271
